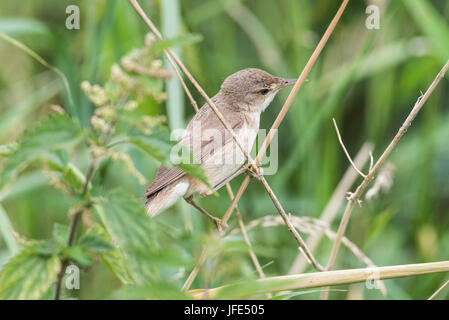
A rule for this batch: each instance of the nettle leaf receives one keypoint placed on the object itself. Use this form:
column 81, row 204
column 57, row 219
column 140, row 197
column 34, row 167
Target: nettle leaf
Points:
column 169, row 153
column 54, row 133
column 45, row 248
column 73, row 177
column 189, row 38
column 78, row 255
column 113, row 258
column 61, row 234
column 95, row 241
column 157, row 144
column 155, row 148
column 134, row 233
column 184, row 160
column 28, row 275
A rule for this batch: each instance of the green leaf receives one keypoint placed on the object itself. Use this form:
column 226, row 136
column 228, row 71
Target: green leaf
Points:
column 113, row 259
column 190, row 38
column 61, row 234
column 28, row 275
column 73, row 177
column 7, row 150
column 95, row 242
column 160, row 149
column 54, row 133
column 44, row 248
column 195, row 170
column 78, row 255
column 156, row 148
column 127, row 223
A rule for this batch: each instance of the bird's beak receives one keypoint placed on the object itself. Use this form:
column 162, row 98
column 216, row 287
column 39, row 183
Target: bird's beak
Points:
column 287, row 82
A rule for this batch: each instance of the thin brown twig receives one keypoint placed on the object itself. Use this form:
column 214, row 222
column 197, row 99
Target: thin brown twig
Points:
column 438, row 290
column 346, row 151
column 252, row 255
column 291, row 227
column 188, row 283
column 245, row 236
column 310, row 226
column 72, row 232
column 184, row 86
column 355, row 197
column 333, row 205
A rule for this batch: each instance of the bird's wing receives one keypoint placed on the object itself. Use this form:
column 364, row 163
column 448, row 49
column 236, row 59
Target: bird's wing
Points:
column 206, row 119
column 213, row 135
column 164, row 177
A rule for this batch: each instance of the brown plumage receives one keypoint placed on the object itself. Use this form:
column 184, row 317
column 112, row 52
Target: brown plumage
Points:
column 241, row 99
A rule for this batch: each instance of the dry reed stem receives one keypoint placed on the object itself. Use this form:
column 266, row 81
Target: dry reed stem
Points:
column 320, row 279
column 346, row 151
column 439, row 290
column 355, row 197
column 188, row 283
column 310, row 226
column 252, row 255
column 291, row 228
column 245, row 235
column 334, row 204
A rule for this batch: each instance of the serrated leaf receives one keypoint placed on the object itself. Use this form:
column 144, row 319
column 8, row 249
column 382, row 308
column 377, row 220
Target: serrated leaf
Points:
column 190, row 38
column 162, row 150
column 155, row 148
column 78, row 255
column 132, row 230
column 28, row 275
column 61, row 234
column 114, row 258
column 195, row 170
column 115, row 261
column 95, row 243
column 73, row 177
column 45, row 248
column 54, row 133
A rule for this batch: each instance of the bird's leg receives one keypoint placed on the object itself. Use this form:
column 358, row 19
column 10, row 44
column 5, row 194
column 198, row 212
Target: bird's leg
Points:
column 221, row 184
column 255, row 172
column 215, row 220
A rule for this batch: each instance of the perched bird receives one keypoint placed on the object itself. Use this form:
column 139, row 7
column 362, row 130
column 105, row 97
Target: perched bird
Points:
column 241, row 99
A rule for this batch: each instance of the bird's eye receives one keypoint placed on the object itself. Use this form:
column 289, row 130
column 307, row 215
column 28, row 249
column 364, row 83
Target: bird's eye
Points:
column 264, row 91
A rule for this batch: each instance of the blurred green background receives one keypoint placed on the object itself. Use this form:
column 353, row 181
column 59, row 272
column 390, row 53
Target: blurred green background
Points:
column 367, row 79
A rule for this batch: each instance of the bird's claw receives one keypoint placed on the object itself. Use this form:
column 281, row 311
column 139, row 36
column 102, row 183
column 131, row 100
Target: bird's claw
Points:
column 254, row 172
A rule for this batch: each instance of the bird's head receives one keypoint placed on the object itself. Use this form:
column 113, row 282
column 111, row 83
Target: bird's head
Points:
column 252, row 89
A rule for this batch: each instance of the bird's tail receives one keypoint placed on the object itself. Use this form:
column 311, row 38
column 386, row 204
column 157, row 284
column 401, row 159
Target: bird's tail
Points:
column 166, row 197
